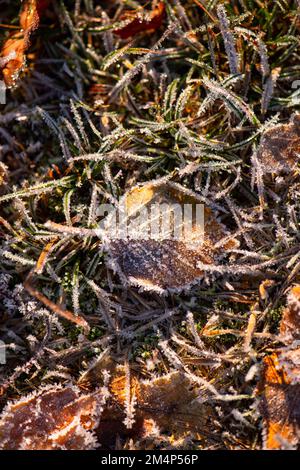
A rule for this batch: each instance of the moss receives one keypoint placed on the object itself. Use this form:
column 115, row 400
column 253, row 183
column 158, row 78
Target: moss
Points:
column 274, row 316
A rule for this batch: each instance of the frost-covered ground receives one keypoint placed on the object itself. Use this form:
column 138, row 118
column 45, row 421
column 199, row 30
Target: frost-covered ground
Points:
column 149, row 344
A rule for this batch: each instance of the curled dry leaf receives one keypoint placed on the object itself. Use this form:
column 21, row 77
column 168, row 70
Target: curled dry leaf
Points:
column 279, row 406
column 51, row 418
column 14, row 48
column 156, row 260
column 142, row 22
column 279, row 147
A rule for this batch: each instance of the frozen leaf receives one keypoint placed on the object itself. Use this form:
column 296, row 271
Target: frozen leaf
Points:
column 279, row 147
column 279, row 406
column 161, row 251
column 142, row 22
column 118, row 388
column 290, row 322
column 289, row 360
column 14, row 48
column 170, row 401
column 289, row 357
column 112, row 428
column 51, row 418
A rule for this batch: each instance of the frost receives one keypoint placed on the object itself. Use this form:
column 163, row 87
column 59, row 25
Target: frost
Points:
column 51, row 418
column 164, row 264
column 279, row 147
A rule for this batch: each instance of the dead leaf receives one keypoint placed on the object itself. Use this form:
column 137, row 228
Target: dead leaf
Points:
column 289, row 357
column 290, row 322
column 280, row 385
column 162, row 261
column 117, row 388
column 289, row 360
column 165, row 404
column 279, row 406
column 14, row 48
column 113, row 428
column 142, row 22
column 51, row 418
column 170, row 401
column 279, row 147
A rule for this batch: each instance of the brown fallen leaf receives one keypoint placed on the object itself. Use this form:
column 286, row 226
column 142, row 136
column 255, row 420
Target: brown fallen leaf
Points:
column 279, row 406
column 142, row 22
column 279, row 147
column 170, row 401
column 280, row 385
column 13, row 51
column 290, row 322
column 118, row 388
column 289, row 358
column 51, row 418
column 166, row 404
column 113, row 429
column 157, row 260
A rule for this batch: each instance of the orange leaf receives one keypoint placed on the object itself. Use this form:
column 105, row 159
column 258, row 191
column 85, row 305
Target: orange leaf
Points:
column 279, row 406
column 14, row 48
column 290, row 322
